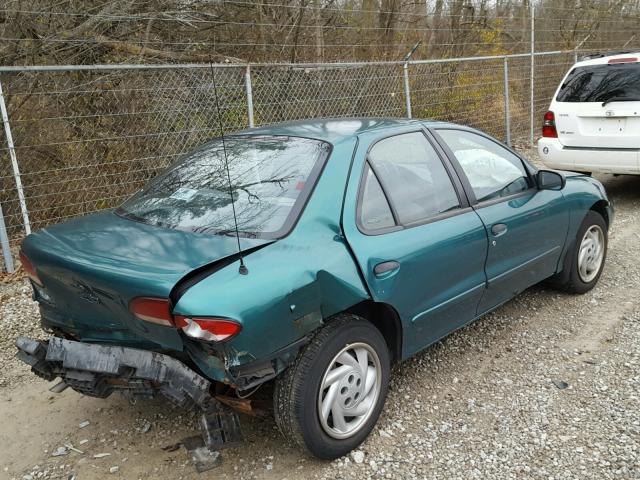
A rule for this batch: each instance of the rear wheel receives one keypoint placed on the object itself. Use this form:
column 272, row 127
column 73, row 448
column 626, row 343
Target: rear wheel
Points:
column 329, row 400
column 588, row 254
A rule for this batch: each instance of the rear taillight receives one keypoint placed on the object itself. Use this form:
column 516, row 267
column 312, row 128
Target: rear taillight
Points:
column 153, row 310
column 208, row 329
column 549, row 126
column 29, row 269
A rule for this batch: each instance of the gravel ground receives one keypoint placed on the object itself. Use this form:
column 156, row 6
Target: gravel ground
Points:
column 18, row 316
column 546, row 387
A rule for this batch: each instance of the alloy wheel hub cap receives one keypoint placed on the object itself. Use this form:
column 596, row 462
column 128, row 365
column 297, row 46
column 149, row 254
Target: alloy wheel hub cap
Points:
column 591, row 253
column 349, row 391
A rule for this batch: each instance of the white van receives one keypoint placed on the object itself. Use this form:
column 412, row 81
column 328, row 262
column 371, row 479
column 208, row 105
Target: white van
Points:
column 593, row 123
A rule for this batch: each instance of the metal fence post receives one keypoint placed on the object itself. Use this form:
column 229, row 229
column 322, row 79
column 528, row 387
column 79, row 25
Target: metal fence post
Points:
column 249, row 93
column 532, row 97
column 14, row 163
column 575, row 56
column 407, row 91
column 507, row 112
column 4, row 240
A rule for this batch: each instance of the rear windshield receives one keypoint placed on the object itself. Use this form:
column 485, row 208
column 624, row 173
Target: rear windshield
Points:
column 599, row 83
column 270, row 180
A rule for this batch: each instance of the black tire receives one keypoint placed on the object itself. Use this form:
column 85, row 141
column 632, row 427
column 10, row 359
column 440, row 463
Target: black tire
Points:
column 297, row 389
column 574, row 283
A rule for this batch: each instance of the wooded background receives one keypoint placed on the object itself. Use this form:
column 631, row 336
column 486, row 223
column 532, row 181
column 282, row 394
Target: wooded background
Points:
column 85, row 32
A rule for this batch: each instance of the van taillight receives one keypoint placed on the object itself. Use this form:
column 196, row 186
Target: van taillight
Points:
column 153, row 310
column 29, row 269
column 623, row 60
column 549, row 126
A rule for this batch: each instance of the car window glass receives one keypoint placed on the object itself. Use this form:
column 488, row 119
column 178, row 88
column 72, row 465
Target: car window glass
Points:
column 599, row 83
column 375, row 213
column 492, row 170
column 413, row 177
column 257, row 180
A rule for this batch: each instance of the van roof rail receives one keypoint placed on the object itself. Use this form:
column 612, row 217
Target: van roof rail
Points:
column 591, row 56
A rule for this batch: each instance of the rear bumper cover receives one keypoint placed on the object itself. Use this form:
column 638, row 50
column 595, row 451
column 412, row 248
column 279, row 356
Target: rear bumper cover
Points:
column 598, row 160
column 99, row 370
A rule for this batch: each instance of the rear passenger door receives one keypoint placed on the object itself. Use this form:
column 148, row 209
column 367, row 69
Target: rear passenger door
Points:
column 527, row 227
column 420, row 246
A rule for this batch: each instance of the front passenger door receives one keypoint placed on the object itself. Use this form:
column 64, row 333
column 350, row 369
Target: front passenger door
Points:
column 526, row 227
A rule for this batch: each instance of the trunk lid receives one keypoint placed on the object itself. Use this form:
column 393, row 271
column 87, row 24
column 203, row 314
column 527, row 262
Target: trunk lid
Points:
column 91, row 268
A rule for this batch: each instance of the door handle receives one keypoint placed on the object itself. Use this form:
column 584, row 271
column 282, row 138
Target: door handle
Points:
column 385, row 268
column 498, row 229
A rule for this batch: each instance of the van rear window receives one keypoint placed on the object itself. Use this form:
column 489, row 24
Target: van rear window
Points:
column 599, row 83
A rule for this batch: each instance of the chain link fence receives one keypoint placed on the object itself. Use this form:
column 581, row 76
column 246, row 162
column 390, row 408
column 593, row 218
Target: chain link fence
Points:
column 78, row 139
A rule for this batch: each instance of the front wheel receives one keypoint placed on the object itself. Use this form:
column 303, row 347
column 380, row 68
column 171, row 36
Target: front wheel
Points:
column 588, row 254
column 329, row 400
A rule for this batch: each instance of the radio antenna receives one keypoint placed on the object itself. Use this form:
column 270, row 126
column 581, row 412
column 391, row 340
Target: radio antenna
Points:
column 243, row 270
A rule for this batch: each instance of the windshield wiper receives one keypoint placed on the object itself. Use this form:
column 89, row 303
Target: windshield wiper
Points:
column 620, row 99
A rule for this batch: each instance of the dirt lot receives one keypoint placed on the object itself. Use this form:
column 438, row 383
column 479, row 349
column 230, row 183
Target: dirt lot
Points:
column 487, row 402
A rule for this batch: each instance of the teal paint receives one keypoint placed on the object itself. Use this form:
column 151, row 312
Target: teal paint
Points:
column 450, row 273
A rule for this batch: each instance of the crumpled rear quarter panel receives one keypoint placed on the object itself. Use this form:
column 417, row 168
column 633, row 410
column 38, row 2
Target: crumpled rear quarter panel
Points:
column 292, row 285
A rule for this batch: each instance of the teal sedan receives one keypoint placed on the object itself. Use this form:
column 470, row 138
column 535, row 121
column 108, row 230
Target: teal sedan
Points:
column 313, row 254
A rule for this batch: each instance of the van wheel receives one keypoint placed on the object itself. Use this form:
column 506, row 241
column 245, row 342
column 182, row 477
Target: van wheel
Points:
column 330, row 398
column 588, row 254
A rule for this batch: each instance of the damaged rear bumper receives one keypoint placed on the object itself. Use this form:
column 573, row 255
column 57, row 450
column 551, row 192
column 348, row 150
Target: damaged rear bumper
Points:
column 99, row 370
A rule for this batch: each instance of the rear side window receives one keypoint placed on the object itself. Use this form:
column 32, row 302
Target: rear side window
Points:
column 413, row 177
column 599, row 83
column 492, row 170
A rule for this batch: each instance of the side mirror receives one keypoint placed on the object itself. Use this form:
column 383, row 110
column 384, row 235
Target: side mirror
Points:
column 550, row 180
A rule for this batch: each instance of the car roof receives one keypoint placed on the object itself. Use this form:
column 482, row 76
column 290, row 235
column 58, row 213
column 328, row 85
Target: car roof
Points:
column 334, row 130
column 603, row 60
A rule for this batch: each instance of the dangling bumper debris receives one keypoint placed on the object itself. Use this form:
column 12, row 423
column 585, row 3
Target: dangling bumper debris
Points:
column 99, row 370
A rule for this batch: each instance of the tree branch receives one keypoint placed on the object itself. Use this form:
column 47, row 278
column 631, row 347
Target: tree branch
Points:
column 134, row 49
